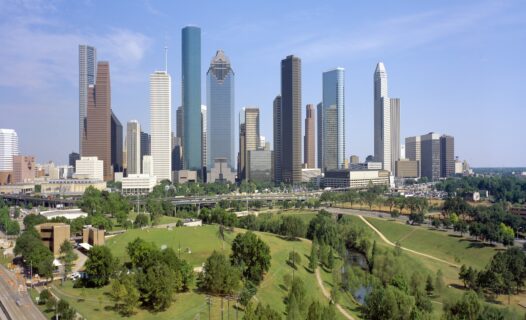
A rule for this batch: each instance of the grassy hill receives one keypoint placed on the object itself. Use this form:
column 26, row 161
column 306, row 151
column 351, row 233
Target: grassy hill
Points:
column 95, row 303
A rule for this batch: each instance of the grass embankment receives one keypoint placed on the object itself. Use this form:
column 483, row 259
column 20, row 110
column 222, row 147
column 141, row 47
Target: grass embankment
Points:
column 96, row 303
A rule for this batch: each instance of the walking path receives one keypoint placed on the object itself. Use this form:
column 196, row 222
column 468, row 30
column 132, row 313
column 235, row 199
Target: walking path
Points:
column 328, row 296
column 403, row 248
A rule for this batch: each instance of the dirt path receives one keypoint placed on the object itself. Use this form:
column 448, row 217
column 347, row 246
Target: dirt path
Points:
column 328, row 296
column 403, row 248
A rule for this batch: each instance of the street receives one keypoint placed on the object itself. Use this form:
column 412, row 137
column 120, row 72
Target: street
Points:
column 12, row 290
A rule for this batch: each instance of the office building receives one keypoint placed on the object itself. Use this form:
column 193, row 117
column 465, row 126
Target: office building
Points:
column 71, row 186
column 354, row 159
column 133, row 147
column 138, row 184
column 430, row 155
column 249, row 138
column 319, row 134
column 8, row 149
column 291, row 120
column 355, row 179
column 184, row 176
column 221, row 172
column 97, row 142
column 179, row 119
column 220, row 100
column 191, row 97
column 116, row 144
column 413, row 150
column 204, row 136
column 89, row 168
column 145, row 145
column 382, row 118
column 309, row 149
column 407, row 168
column 87, row 74
column 276, row 106
column 53, row 235
column 24, row 169
column 334, row 125
column 161, row 124
column 458, row 167
column 394, row 104
column 259, row 165
column 447, row 156
column 72, row 158
column 147, row 165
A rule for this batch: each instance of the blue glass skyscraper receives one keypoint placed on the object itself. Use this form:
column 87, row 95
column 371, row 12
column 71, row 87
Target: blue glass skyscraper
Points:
column 333, row 138
column 191, row 96
column 221, row 118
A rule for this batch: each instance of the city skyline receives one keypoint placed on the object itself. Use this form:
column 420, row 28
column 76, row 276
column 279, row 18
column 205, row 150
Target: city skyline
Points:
column 417, row 105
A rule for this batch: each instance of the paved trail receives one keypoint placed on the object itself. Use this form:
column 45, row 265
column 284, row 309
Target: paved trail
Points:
column 403, row 248
column 328, row 296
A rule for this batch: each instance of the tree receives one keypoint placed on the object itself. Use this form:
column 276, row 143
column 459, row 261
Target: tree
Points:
column 249, row 290
column 324, row 228
column 156, row 290
column 429, row 285
column 142, row 220
column 319, row 312
column 44, row 296
column 125, row 294
column 100, row 266
column 468, row 307
column 68, row 256
column 294, row 258
column 252, row 255
column 330, row 259
column 219, row 276
column 297, row 300
column 388, row 303
column 395, row 213
column 287, row 280
column 324, row 254
column 292, row 227
column 313, row 257
column 65, row 311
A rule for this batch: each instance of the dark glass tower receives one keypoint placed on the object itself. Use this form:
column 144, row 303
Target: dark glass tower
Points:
column 191, row 96
column 291, row 119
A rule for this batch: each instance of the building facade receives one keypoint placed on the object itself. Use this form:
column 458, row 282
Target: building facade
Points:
column 138, row 184
column 355, row 179
column 220, row 100
column 89, row 168
column 116, row 144
column 24, row 169
column 334, row 133
column 259, row 165
column 204, row 136
column 161, row 124
column 8, row 149
column 221, row 172
column 394, row 104
column 382, row 118
column 430, row 155
column 447, row 156
column 291, row 120
column 87, row 74
column 133, row 147
column 145, row 145
column 309, row 146
column 191, row 96
column 97, row 142
column 249, row 137
column 53, row 235
column 407, row 168
column 277, row 139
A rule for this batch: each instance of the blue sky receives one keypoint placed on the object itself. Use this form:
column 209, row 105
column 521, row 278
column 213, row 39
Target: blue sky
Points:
column 457, row 66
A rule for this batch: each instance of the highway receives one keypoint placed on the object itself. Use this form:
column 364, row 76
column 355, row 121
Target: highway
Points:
column 11, row 291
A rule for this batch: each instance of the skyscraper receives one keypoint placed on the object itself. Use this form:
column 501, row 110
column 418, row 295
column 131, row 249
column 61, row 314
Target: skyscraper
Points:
column 249, row 136
column 87, row 74
column 191, row 97
column 133, row 147
column 220, row 99
column 382, row 118
column 319, row 137
column 97, row 142
column 413, row 151
column 334, row 141
column 204, row 136
column 277, row 139
column 161, row 124
column 179, row 121
column 309, row 149
column 291, row 119
column 116, row 144
column 430, row 146
column 8, row 149
column 145, row 146
column 447, row 156
column 394, row 104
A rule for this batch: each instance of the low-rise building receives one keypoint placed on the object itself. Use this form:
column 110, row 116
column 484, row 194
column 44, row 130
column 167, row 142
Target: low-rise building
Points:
column 369, row 165
column 192, row 222
column 69, row 214
column 221, row 172
column 355, row 179
column 53, row 235
column 259, row 165
column 89, row 168
column 93, row 236
column 17, row 188
column 310, row 175
column 70, row 186
column 138, row 184
column 184, row 176
column 405, row 168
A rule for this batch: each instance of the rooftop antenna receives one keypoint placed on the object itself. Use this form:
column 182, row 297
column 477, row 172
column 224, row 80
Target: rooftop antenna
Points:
column 166, row 53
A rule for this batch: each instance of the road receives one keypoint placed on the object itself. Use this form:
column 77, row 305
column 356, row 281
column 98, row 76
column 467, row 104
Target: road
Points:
column 10, row 292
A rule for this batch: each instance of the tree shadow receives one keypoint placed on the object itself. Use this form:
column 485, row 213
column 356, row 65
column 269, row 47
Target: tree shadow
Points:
column 283, row 287
column 455, row 236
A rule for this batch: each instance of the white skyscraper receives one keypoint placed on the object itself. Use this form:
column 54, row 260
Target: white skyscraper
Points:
column 87, row 74
column 204, row 136
column 8, row 148
column 133, row 147
column 161, row 124
column 382, row 118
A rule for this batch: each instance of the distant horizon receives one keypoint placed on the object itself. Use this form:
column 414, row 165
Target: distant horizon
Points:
column 453, row 66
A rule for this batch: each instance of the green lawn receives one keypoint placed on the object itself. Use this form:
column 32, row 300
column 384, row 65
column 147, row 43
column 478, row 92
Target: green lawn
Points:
column 445, row 246
column 201, row 241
